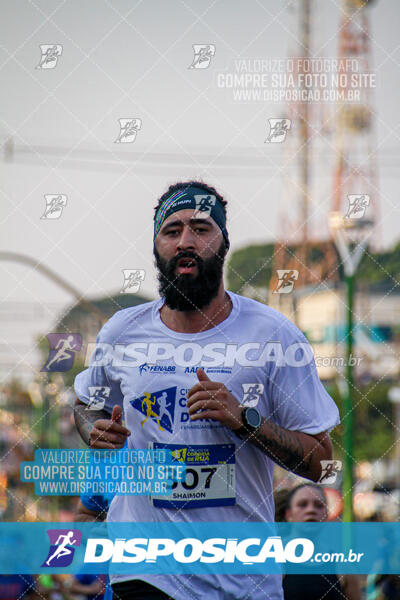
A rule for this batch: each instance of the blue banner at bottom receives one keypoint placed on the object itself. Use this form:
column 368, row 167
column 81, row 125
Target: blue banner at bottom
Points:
column 189, row 548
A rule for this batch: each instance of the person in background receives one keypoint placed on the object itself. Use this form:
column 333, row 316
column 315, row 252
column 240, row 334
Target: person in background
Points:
column 91, row 587
column 383, row 587
column 18, row 587
column 94, row 508
column 306, row 503
column 53, row 586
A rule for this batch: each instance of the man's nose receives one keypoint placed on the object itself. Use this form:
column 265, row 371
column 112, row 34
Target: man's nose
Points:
column 187, row 239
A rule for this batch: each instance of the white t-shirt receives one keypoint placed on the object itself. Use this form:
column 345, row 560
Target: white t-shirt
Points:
column 265, row 361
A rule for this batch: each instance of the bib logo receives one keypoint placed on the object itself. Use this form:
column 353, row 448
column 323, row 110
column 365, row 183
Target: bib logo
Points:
column 62, row 547
column 179, row 455
column 159, row 407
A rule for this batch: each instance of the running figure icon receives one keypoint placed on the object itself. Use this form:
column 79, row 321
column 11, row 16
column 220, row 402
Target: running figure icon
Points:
column 63, row 345
column 149, row 410
column 62, row 549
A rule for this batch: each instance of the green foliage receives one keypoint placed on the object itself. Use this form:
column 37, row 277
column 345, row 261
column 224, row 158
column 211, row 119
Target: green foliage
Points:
column 382, row 267
column 69, row 376
column 373, row 427
column 373, row 417
column 251, row 265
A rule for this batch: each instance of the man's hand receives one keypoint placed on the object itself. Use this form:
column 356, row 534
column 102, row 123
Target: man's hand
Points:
column 293, row 450
column 109, row 433
column 212, row 400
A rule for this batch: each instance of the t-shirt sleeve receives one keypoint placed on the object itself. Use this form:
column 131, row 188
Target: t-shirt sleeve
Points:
column 97, row 385
column 299, row 399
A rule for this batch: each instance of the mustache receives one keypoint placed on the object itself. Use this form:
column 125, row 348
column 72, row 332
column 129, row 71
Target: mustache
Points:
column 185, row 254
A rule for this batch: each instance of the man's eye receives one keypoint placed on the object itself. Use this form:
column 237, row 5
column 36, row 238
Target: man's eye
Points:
column 200, row 229
column 171, row 231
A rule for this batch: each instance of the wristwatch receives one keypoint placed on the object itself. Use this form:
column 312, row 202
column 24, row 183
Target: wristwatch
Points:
column 251, row 421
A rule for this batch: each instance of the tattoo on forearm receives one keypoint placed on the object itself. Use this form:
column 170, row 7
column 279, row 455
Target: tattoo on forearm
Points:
column 85, row 419
column 284, row 447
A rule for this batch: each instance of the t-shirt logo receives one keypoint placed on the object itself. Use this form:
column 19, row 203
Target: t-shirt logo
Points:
column 157, row 406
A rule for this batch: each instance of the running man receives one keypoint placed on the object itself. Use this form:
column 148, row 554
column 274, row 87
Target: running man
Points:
column 63, row 347
column 163, row 411
column 209, row 342
column 62, row 549
column 148, row 403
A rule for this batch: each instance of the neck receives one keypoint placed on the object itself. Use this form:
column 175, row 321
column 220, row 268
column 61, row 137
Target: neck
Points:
column 198, row 320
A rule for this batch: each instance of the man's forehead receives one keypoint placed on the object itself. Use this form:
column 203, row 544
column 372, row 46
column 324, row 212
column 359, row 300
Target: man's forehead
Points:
column 187, row 215
column 309, row 492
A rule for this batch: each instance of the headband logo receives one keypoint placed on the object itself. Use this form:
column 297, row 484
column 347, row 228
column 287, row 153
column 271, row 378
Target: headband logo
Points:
column 204, row 204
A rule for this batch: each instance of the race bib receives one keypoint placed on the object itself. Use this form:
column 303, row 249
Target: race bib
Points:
column 210, row 476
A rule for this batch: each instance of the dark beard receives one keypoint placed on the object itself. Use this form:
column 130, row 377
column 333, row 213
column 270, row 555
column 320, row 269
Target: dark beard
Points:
column 185, row 292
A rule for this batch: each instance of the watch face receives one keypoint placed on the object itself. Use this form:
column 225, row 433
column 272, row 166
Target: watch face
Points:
column 253, row 417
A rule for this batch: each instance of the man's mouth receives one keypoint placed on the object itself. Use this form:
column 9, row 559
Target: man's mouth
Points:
column 186, row 265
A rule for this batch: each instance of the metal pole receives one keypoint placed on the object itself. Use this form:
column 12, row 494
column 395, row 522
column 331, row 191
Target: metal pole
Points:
column 397, row 439
column 348, row 479
column 394, row 397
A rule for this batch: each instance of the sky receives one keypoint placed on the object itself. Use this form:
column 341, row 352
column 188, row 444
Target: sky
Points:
column 127, row 59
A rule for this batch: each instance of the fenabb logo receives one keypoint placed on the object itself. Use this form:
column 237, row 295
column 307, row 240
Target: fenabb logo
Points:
column 146, row 368
column 192, row 550
column 62, row 547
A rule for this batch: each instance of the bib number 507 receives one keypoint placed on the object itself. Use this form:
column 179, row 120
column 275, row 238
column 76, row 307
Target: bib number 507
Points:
column 192, row 478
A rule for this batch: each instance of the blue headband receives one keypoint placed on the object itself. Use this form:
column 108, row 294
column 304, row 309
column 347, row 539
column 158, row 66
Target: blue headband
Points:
column 196, row 198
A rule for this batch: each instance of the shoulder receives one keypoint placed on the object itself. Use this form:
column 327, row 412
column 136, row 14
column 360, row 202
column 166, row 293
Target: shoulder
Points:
column 268, row 318
column 121, row 321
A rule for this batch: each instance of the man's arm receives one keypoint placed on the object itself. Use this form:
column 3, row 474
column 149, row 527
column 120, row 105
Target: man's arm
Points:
column 98, row 428
column 92, row 589
column 293, row 450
